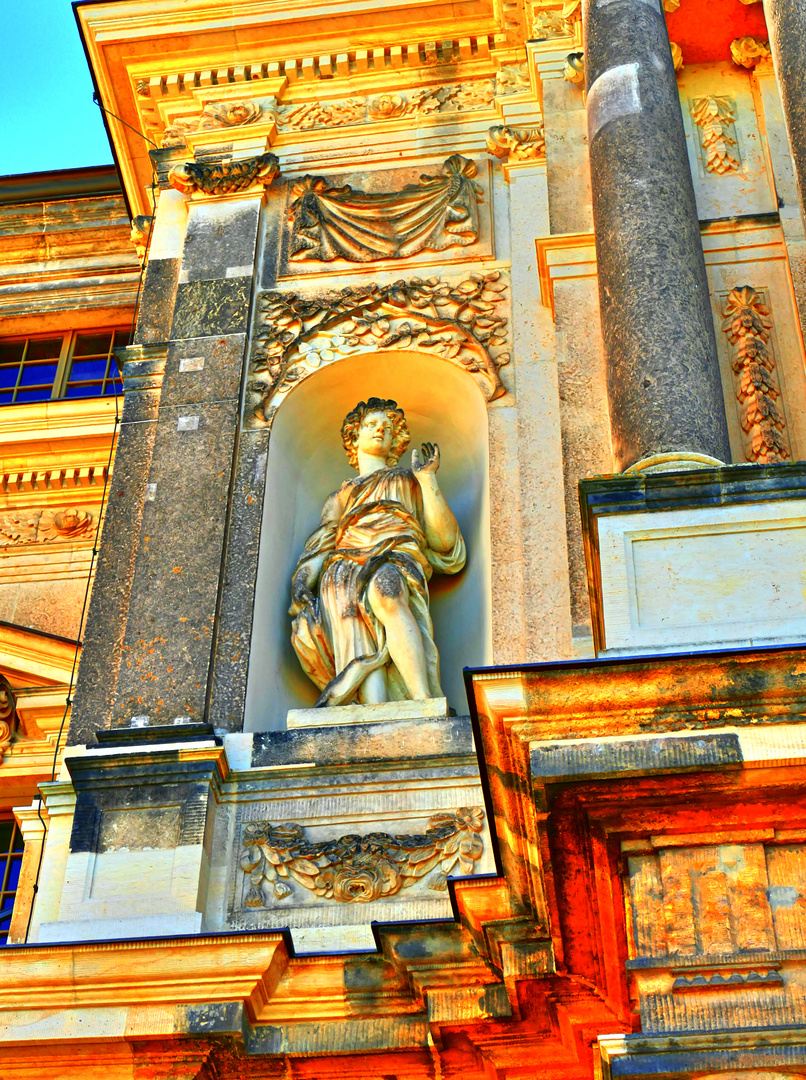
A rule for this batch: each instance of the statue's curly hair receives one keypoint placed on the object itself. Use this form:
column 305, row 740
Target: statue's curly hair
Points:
column 354, row 418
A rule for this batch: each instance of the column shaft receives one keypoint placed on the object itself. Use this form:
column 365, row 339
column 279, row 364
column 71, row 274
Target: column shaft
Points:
column 664, row 384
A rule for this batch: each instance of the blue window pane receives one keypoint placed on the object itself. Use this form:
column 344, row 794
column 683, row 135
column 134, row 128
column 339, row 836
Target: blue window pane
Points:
column 38, row 375
column 87, row 369
column 14, row 874
column 4, row 924
column 113, row 386
column 19, row 843
column 34, row 395
column 8, row 376
column 5, row 397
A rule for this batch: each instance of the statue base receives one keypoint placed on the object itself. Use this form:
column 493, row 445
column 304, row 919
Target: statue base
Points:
column 340, row 715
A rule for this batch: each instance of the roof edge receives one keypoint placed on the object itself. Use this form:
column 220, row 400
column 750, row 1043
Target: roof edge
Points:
column 56, row 184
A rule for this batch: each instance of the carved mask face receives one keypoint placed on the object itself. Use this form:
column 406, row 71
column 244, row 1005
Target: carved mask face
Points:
column 375, row 435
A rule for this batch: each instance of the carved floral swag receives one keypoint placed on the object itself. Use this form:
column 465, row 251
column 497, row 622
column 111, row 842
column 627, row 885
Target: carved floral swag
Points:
column 358, row 869
column 370, row 521
column 340, row 223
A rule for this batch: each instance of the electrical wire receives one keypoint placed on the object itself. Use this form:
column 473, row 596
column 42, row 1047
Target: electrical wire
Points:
column 115, row 379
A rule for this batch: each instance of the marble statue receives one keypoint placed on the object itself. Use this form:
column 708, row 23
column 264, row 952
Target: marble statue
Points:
column 368, row 636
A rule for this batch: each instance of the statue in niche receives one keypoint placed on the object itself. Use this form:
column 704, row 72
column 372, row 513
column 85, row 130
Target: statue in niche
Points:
column 368, row 636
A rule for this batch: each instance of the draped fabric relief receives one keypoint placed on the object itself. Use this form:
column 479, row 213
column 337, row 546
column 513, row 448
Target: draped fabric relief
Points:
column 340, row 223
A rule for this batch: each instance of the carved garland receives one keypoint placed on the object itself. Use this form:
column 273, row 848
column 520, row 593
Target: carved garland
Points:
column 358, row 869
column 305, row 116
column 46, row 526
column 748, row 326
column 458, row 321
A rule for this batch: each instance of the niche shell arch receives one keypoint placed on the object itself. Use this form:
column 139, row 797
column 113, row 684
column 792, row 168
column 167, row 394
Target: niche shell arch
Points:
column 306, row 462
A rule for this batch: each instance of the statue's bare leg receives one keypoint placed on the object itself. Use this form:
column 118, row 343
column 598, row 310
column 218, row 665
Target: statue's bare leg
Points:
column 388, row 598
column 372, row 690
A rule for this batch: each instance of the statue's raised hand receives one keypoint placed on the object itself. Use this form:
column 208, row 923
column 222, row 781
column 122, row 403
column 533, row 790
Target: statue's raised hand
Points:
column 425, row 462
column 301, row 595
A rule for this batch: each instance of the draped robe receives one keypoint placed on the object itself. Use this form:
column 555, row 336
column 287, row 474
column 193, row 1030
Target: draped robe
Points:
column 371, row 521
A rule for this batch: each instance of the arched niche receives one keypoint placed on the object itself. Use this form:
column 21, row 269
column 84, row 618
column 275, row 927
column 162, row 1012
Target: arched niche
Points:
column 306, row 462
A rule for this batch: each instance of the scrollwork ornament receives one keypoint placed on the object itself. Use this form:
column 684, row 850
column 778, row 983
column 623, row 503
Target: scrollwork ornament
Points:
column 9, row 721
column 358, row 869
column 224, row 177
column 517, row 144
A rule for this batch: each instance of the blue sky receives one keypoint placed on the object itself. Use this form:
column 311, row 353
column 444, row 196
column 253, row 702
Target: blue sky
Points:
column 47, row 116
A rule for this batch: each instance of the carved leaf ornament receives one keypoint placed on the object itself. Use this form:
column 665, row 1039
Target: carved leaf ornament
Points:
column 715, row 118
column 458, row 321
column 340, row 223
column 358, row 869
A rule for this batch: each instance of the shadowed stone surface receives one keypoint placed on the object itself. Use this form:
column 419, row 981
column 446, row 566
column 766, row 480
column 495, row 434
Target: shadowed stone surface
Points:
column 786, row 21
column 155, row 312
column 664, row 383
column 211, row 307
column 106, row 622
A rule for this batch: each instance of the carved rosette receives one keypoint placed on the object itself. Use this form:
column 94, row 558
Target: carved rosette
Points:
column 46, row 526
column 517, row 144
column 715, row 118
column 224, row 177
column 748, row 327
column 458, row 321
column 9, row 722
column 216, row 114
column 749, row 51
column 358, row 869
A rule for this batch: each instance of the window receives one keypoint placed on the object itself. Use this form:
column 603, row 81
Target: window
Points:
column 76, row 364
column 11, row 848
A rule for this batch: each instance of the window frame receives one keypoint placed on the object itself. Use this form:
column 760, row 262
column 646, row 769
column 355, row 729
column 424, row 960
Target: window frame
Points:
column 64, row 363
column 6, row 857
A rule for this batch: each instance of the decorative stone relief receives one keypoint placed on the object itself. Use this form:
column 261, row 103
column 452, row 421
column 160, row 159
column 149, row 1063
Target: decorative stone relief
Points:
column 141, row 227
column 574, row 69
column 339, row 223
column 677, row 56
column 748, row 326
column 556, row 20
column 45, row 526
column 749, row 51
column 312, row 114
column 216, row 114
column 9, row 721
column 517, row 144
column 358, row 869
column 512, row 79
column 456, row 97
column 224, row 177
column 715, row 117
column 459, row 321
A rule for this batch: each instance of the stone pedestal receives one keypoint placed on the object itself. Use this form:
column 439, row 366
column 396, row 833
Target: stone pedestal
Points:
column 664, row 383
column 702, row 559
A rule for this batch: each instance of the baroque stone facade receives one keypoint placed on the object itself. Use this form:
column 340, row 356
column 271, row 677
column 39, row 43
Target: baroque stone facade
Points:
column 401, row 592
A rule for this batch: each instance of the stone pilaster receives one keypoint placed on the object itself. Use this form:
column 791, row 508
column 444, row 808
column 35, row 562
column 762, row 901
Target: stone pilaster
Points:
column 664, row 383
column 786, row 22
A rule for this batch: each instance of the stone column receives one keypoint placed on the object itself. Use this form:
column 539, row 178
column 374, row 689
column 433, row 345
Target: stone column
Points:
column 786, row 22
column 664, row 383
